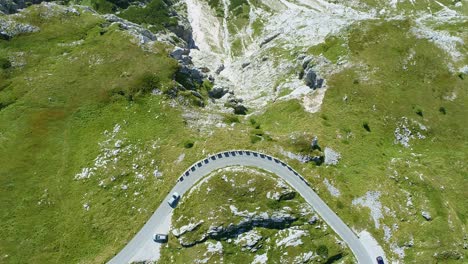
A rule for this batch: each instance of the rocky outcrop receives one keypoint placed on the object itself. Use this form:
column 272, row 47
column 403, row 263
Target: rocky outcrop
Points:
column 12, row 6
column 277, row 220
column 142, row 34
column 308, row 74
column 10, row 28
column 249, row 240
column 187, row 228
column 236, row 104
column 269, row 39
column 218, row 92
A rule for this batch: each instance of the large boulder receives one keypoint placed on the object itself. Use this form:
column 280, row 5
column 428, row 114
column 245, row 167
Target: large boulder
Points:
column 312, row 80
column 218, row 92
column 179, row 53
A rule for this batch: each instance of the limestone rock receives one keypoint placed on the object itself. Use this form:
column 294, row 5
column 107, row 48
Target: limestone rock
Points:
column 331, row 157
column 426, row 215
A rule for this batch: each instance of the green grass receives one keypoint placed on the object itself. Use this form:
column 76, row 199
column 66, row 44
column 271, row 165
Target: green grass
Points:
column 56, row 108
column 156, row 13
column 332, row 48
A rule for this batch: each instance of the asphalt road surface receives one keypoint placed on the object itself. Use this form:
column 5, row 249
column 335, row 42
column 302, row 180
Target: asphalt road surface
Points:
column 142, row 247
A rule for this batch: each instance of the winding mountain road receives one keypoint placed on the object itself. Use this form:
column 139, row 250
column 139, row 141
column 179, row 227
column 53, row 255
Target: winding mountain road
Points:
column 142, row 247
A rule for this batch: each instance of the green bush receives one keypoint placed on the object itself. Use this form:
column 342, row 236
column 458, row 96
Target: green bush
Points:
column 145, row 84
column 442, row 110
column 189, row 143
column 103, row 6
column 322, row 250
column 229, row 119
column 5, row 63
column 419, row 111
column 156, row 13
column 254, row 139
column 366, row 126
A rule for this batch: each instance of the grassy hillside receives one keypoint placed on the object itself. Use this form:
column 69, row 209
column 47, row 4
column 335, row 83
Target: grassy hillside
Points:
column 395, row 76
column 67, row 84
column 76, row 102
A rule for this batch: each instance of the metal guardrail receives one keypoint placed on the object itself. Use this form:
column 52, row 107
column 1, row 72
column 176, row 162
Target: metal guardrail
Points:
column 227, row 154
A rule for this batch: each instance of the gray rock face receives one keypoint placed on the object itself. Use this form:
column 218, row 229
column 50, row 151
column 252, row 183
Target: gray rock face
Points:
column 194, row 75
column 426, row 215
column 220, row 69
column 183, row 30
column 312, row 80
column 178, row 53
column 331, row 157
column 218, row 92
column 269, row 39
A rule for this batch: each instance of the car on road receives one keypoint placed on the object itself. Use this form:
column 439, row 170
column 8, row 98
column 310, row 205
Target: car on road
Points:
column 255, row 154
column 206, row 161
column 174, row 199
column 277, row 160
column 160, row 238
column 379, row 260
column 213, row 157
column 269, row 157
column 199, row 164
column 262, row 156
column 226, row 154
column 193, row 168
column 248, row 153
column 187, row 173
column 220, row 155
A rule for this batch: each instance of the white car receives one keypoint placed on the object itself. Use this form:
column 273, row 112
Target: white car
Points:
column 174, row 199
